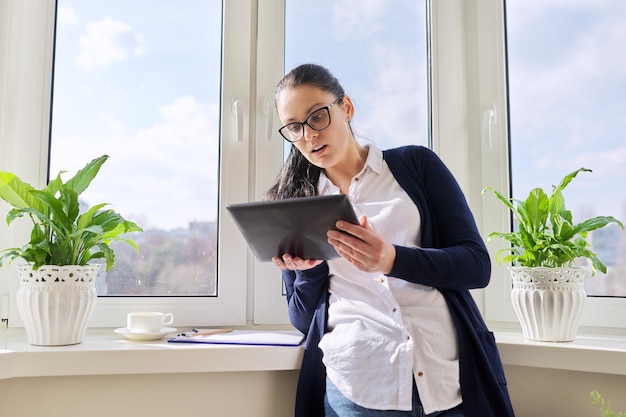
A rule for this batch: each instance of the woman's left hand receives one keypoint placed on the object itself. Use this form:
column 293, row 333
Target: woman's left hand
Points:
column 362, row 247
column 289, row 262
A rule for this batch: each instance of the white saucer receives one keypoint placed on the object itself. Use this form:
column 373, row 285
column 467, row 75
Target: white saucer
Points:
column 124, row 331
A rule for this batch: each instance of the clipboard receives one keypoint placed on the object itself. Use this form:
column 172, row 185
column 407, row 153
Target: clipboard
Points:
column 241, row 337
column 293, row 225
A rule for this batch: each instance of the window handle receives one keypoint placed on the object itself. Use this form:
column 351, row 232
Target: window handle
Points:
column 238, row 113
column 489, row 120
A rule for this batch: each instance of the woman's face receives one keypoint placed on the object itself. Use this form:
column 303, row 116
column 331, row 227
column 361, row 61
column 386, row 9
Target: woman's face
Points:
column 323, row 148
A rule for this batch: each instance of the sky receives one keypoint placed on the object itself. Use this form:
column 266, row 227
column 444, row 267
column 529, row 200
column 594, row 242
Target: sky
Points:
column 139, row 81
column 568, row 99
column 377, row 52
column 147, row 93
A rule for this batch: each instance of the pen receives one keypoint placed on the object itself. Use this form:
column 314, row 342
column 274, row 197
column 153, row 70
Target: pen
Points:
column 211, row 332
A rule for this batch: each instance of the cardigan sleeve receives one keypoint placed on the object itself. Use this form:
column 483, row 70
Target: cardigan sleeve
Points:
column 304, row 291
column 453, row 254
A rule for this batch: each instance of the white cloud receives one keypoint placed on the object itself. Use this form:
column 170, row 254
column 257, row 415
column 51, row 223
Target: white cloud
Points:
column 107, row 41
column 569, row 88
column 354, row 19
column 184, row 139
column 398, row 98
column 165, row 174
column 172, row 165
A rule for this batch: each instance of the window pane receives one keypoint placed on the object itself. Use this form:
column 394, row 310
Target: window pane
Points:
column 377, row 50
column 140, row 81
column 567, row 100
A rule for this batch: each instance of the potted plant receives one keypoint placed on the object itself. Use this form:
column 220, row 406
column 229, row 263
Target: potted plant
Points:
column 57, row 279
column 542, row 260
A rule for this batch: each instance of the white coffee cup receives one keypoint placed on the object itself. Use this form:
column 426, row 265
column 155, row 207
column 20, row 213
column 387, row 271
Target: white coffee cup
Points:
column 148, row 321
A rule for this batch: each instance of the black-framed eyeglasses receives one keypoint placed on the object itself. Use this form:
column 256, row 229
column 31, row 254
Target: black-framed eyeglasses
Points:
column 318, row 120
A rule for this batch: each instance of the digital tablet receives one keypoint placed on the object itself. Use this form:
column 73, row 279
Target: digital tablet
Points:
column 294, row 225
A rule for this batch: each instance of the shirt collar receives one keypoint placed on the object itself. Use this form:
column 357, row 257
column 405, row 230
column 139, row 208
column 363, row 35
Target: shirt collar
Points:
column 374, row 162
column 374, row 159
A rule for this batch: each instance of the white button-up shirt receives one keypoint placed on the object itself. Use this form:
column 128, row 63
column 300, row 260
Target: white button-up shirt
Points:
column 386, row 331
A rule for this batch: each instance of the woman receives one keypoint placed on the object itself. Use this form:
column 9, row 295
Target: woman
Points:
column 391, row 329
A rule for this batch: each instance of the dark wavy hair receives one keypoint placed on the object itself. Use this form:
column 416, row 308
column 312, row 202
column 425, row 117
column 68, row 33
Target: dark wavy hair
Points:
column 298, row 177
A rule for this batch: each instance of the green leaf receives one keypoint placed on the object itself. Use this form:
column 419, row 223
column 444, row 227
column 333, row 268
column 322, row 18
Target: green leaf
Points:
column 84, row 176
column 86, row 218
column 57, row 213
column 536, row 208
column 55, row 185
column 567, row 179
column 71, row 206
column 17, row 193
column 564, row 230
column 17, row 213
column 9, row 255
column 596, row 223
column 605, row 406
column 505, row 200
column 500, row 196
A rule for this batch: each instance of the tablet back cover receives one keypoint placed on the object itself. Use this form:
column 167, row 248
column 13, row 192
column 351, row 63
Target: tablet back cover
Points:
column 295, row 225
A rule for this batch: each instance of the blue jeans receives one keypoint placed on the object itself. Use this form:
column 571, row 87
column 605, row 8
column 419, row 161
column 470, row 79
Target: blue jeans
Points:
column 337, row 405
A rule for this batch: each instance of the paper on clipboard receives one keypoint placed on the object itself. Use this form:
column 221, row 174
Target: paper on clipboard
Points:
column 245, row 337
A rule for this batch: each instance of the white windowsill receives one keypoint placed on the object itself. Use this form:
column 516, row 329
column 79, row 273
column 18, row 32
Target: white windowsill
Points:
column 105, row 353
column 588, row 353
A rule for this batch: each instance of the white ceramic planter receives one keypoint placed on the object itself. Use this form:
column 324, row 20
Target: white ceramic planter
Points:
column 55, row 302
column 549, row 301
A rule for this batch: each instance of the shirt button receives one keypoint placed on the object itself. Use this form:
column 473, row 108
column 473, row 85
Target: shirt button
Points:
column 356, row 179
column 408, row 338
column 393, row 309
column 381, row 280
column 420, row 374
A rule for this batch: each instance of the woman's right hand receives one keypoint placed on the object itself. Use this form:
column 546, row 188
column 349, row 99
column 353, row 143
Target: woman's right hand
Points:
column 289, row 262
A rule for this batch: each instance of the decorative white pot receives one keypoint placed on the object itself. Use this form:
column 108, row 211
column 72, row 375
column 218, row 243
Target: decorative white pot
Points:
column 55, row 302
column 549, row 301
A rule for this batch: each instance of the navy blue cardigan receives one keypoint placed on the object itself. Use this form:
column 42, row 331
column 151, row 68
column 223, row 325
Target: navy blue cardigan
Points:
column 453, row 258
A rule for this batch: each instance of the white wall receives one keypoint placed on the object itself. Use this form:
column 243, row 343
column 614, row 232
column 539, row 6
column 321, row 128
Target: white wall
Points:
column 230, row 394
column 535, row 392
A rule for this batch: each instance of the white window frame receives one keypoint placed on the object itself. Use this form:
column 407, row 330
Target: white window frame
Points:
column 469, row 85
column 25, row 82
